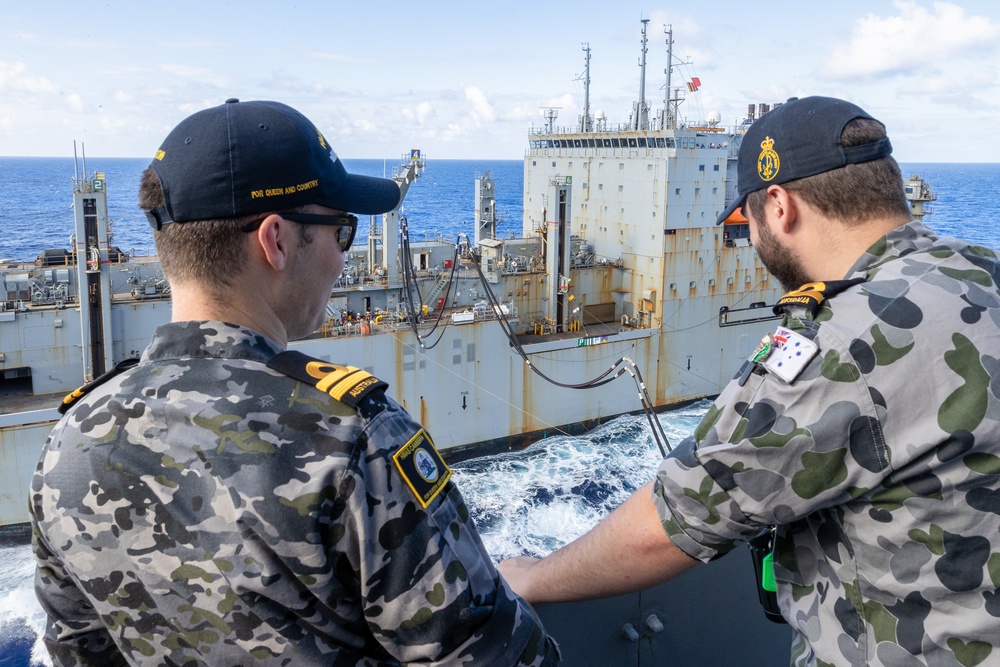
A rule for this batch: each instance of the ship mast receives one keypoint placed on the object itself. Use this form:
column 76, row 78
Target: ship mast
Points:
column 671, row 104
column 586, row 121
column 640, row 114
column 669, row 120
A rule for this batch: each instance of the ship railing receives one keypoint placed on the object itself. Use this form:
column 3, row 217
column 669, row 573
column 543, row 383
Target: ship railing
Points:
column 605, row 128
column 482, row 311
column 757, row 312
column 392, row 322
column 331, row 329
column 379, row 323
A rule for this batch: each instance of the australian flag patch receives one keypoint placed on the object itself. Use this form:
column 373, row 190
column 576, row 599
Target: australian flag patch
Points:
column 790, row 354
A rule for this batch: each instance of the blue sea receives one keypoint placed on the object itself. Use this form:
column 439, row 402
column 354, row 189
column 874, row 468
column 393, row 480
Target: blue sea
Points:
column 525, row 502
column 36, row 198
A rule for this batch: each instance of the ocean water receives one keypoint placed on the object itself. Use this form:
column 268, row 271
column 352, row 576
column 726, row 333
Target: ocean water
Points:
column 530, row 502
column 36, row 200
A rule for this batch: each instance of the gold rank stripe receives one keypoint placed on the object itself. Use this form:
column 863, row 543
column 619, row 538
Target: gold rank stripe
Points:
column 69, row 398
column 805, row 294
column 812, row 295
column 344, row 386
column 334, row 377
column 80, row 392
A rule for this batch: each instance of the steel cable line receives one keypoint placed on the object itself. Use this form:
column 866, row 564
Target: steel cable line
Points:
column 620, row 367
column 411, row 285
column 623, row 365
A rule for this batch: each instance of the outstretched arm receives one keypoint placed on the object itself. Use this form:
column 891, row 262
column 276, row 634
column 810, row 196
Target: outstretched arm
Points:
column 626, row 552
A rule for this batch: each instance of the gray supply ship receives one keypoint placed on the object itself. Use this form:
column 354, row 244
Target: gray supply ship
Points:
column 491, row 343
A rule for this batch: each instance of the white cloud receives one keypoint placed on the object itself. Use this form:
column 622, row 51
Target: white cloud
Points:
column 74, row 102
column 911, row 40
column 198, row 74
column 424, row 111
column 12, row 79
column 964, row 85
column 334, row 57
column 482, row 110
column 113, row 125
column 524, row 112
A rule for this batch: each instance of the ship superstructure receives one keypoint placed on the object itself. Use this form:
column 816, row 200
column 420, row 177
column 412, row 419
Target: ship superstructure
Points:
column 489, row 342
column 918, row 194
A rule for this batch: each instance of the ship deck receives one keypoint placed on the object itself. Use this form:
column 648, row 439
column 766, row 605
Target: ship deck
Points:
column 587, row 331
column 16, row 401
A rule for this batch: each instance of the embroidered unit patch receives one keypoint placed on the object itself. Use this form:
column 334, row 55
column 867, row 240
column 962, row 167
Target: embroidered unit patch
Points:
column 768, row 162
column 422, row 467
column 763, row 350
column 791, row 353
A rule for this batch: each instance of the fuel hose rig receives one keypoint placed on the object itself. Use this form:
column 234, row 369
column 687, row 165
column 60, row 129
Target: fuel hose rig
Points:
column 413, row 301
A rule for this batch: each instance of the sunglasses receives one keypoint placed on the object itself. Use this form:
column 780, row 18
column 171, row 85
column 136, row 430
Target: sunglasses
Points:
column 348, row 224
column 345, row 235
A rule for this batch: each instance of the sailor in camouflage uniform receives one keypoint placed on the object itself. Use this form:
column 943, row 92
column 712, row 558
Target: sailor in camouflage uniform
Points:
column 865, row 432
column 227, row 502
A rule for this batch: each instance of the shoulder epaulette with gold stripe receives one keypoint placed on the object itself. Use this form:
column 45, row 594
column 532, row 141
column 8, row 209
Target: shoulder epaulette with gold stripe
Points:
column 347, row 384
column 811, row 295
column 77, row 394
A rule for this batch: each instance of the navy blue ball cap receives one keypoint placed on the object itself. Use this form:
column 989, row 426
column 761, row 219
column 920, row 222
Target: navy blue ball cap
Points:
column 800, row 138
column 242, row 158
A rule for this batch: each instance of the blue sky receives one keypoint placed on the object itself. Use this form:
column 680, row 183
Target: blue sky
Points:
column 468, row 79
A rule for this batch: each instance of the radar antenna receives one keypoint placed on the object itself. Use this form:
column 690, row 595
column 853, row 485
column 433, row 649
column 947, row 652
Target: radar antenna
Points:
column 550, row 113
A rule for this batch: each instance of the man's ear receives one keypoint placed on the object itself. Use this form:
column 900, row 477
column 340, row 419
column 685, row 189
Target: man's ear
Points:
column 784, row 208
column 274, row 241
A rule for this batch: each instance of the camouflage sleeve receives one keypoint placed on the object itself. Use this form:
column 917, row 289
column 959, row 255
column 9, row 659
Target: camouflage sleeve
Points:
column 430, row 591
column 74, row 634
column 770, row 452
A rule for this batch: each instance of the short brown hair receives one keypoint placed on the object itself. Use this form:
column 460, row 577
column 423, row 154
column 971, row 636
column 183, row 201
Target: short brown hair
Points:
column 208, row 252
column 852, row 194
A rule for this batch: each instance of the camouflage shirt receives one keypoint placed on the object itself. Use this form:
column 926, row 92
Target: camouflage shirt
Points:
column 879, row 463
column 202, row 508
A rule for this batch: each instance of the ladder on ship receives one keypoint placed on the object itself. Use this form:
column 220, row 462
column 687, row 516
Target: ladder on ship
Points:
column 442, row 281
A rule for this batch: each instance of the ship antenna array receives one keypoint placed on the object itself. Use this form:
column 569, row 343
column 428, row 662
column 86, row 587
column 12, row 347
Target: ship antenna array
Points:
column 550, row 114
column 623, row 365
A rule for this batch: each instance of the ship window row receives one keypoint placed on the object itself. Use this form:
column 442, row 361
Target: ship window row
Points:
column 625, row 142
